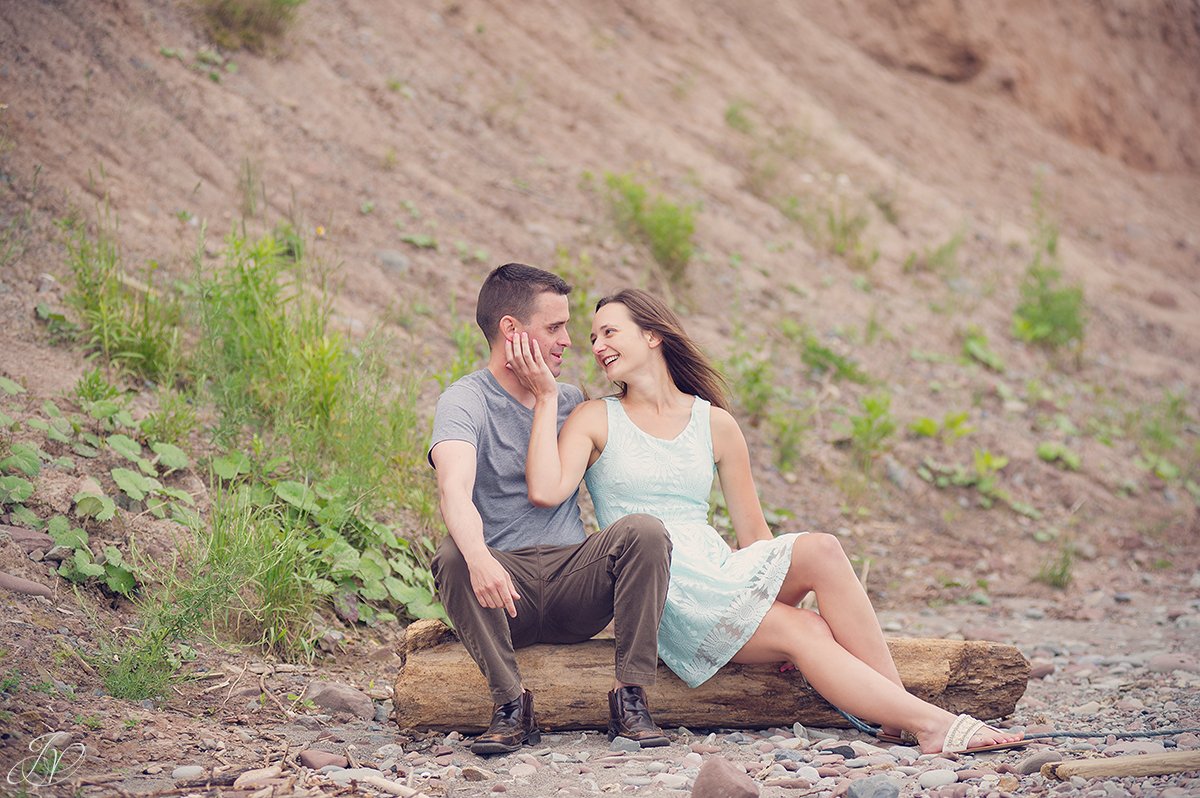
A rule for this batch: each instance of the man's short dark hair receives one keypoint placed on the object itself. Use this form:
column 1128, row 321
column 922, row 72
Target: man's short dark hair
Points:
column 511, row 290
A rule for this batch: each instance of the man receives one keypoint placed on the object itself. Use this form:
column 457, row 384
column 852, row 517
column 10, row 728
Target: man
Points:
column 511, row 574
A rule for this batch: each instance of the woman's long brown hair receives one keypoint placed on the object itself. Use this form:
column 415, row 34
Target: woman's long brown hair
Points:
column 689, row 368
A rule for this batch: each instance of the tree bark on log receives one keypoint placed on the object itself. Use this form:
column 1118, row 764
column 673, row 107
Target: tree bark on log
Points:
column 441, row 688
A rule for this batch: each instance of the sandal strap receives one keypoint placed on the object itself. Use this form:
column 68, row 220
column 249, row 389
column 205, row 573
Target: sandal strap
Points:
column 958, row 736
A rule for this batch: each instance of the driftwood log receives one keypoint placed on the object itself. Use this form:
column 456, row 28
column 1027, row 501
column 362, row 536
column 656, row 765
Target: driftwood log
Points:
column 1132, row 765
column 440, row 687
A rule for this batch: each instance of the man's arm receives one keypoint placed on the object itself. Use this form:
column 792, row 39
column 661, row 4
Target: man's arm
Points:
column 455, row 464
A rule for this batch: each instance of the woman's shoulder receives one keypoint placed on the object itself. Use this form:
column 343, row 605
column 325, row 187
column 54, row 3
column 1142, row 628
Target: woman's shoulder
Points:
column 590, row 410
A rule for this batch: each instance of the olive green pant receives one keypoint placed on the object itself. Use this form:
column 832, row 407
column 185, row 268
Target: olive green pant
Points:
column 568, row 594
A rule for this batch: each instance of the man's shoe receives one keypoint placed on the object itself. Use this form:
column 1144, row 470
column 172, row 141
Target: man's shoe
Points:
column 513, row 725
column 629, row 717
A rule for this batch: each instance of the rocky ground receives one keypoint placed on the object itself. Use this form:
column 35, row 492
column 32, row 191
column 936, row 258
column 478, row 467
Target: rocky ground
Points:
column 1116, row 662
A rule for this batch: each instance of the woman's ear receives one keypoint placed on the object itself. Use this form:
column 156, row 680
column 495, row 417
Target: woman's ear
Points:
column 653, row 339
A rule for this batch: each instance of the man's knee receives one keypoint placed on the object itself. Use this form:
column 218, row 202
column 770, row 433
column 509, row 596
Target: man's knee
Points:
column 448, row 565
column 646, row 533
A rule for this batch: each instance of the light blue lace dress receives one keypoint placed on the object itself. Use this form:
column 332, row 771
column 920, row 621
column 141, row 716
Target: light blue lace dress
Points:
column 717, row 597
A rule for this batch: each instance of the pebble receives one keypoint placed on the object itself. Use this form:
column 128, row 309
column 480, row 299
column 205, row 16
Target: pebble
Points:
column 523, row 770
column 937, row 778
column 188, row 772
column 1033, row 764
column 1166, row 663
column 625, row 744
column 873, row 787
column 672, row 781
column 316, row 759
column 344, row 776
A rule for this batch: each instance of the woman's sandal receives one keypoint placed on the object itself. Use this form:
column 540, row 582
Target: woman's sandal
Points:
column 958, row 736
column 963, row 728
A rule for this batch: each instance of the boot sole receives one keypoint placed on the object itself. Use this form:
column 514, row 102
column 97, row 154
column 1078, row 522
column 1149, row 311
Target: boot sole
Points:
column 533, row 738
column 650, row 742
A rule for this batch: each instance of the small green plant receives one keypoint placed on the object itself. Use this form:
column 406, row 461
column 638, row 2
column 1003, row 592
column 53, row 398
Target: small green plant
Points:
column 666, row 227
column 976, row 347
column 174, row 420
column 941, row 260
column 10, row 681
column 982, row 475
column 871, row 428
column 737, row 118
column 823, row 360
column 1056, row 571
column 130, row 324
column 952, row 427
column 1049, row 313
column 751, row 377
column 252, row 24
column 843, row 235
column 1056, row 452
column 93, row 387
column 90, row 721
column 788, row 428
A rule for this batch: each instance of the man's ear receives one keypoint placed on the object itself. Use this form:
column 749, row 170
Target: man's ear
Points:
column 509, row 326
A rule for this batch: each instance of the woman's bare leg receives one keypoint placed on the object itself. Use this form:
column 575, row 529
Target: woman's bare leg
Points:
column 805, row 638
column 820, row 565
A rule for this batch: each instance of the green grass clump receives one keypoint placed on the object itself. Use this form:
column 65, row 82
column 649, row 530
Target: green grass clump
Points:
column 131, row 324
column 252, row 24
column 871, row 428
column 737, row 118
column 941, row 260
column 976, row 347
column 1050, row 313
column 1056, row 571
column 666, row 227
column 824, row 360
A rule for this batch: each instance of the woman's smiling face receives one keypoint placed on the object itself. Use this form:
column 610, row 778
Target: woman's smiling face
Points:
column 618, row 343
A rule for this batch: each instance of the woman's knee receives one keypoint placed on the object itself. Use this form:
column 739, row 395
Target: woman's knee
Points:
column 810, row 624
column 818, row 549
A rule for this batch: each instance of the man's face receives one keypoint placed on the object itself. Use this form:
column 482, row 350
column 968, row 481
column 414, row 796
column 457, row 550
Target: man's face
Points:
column 548, row 326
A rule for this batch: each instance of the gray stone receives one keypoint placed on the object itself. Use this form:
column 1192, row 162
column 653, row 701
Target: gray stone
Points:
column 937, row 778
column 1033, row 764
column 873, row 787
column 672, row 781
column 720, row 778
column 636, row 781
column 337, row 697
column 799, row 731
column 522, row 770
column 396, row 261
column 624, row 744
column 188, row 772
column 1166, row 663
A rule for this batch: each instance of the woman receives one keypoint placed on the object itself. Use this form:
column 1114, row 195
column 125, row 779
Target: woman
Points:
column 652, row 449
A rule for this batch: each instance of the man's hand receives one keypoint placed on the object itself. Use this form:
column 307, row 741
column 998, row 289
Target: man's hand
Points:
column 492, row 584
column 525, row 359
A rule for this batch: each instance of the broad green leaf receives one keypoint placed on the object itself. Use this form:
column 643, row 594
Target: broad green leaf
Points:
column 60, row 430
column 60, row 530
column 23, row 516
column 924, row 427
column 135, row 485
column 373, row 590
column 92, row 439
column 83, row 450
column 298, row 495
column 178, row 494
column 372, row 566
column 10, row 387
column 124, row 419
column 125, row 446
column 119, row 579
column 170, row 456
column 157, row 507
column 322, row 587
column 231, row 465
column 51, row 409
column 63, row 464
column 23, row 458
column 402, row 568
column 91, row 505
column 342, row 559
column 39, row 424
column 105, row 408
column 7, row 421
column 112, row 556
column 83, row 561
column 14, row 490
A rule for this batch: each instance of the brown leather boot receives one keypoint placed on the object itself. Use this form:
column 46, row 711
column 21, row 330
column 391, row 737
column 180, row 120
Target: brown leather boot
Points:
column 628, row 716
column 513, row 725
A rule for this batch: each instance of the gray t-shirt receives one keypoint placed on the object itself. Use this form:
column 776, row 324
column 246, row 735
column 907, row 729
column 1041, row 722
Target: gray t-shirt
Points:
column 476, row 409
